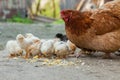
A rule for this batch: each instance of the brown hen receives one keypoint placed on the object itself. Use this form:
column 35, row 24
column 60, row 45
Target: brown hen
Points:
column 94, row 30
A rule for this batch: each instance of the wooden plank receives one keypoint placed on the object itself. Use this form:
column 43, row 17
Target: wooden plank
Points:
column 81, row 3
column 43, row 19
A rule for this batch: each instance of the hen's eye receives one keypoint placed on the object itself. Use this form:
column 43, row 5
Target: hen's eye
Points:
column 71, row 13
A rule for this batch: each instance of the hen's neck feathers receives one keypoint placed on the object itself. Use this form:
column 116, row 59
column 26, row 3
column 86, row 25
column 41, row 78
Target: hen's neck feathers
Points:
column 79, row 24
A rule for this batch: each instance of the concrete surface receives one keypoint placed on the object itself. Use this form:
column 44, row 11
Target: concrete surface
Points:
column 89, row 68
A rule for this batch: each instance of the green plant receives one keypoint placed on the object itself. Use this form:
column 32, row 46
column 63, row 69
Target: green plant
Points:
column 49, row 9
column 19, row 19
column 60, row 21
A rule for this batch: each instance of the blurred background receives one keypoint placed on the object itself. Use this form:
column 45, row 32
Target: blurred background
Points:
column 28, row 11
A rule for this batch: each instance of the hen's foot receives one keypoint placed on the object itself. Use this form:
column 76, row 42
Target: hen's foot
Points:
column 107, row 56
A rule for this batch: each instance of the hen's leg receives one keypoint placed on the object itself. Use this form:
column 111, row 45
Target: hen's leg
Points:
column 107, row 56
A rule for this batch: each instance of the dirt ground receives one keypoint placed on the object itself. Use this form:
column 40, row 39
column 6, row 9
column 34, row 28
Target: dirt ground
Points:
column 85, row 68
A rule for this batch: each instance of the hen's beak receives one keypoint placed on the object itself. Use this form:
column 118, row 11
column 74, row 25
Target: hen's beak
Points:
column 62, row 14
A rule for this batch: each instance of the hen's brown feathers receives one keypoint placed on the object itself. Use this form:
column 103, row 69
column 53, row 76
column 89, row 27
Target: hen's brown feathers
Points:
column 113, row 7
column 79, row 22
column 104, row 22
column 94, row 30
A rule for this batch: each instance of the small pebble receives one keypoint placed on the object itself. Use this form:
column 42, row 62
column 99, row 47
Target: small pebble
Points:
column 82, row 64
column 36, row 66
column 0, row 32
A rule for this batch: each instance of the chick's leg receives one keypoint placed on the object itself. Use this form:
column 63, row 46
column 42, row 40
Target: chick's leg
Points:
column 39, row 55
column 83, row 53
column 58, row 57
column 64, row 56
column 21, row 54
column 27, row 54
column 61, row 57
column 12, row 55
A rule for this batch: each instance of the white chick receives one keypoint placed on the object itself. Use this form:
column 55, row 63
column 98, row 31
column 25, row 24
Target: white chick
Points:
column 52, row 40
column 25, row 42
column 34, row 49
column 29, row 35
column 71, row 46
column 13, row 48
column 61, row 49
column 32, row 37
column 47, row 48
column 42, row 40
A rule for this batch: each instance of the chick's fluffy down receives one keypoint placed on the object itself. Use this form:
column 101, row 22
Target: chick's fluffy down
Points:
column 13, row 48
column 34, row 49
column 25, row 42
column 61, row 49
column 47, row 48
column 71, row 47
column 32, row 37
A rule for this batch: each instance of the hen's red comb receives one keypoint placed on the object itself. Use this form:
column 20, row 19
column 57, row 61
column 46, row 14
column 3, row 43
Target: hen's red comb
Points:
column 62, row 12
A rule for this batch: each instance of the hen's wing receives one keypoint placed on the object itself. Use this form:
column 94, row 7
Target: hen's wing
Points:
column 104, row 22
column 114, row 7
